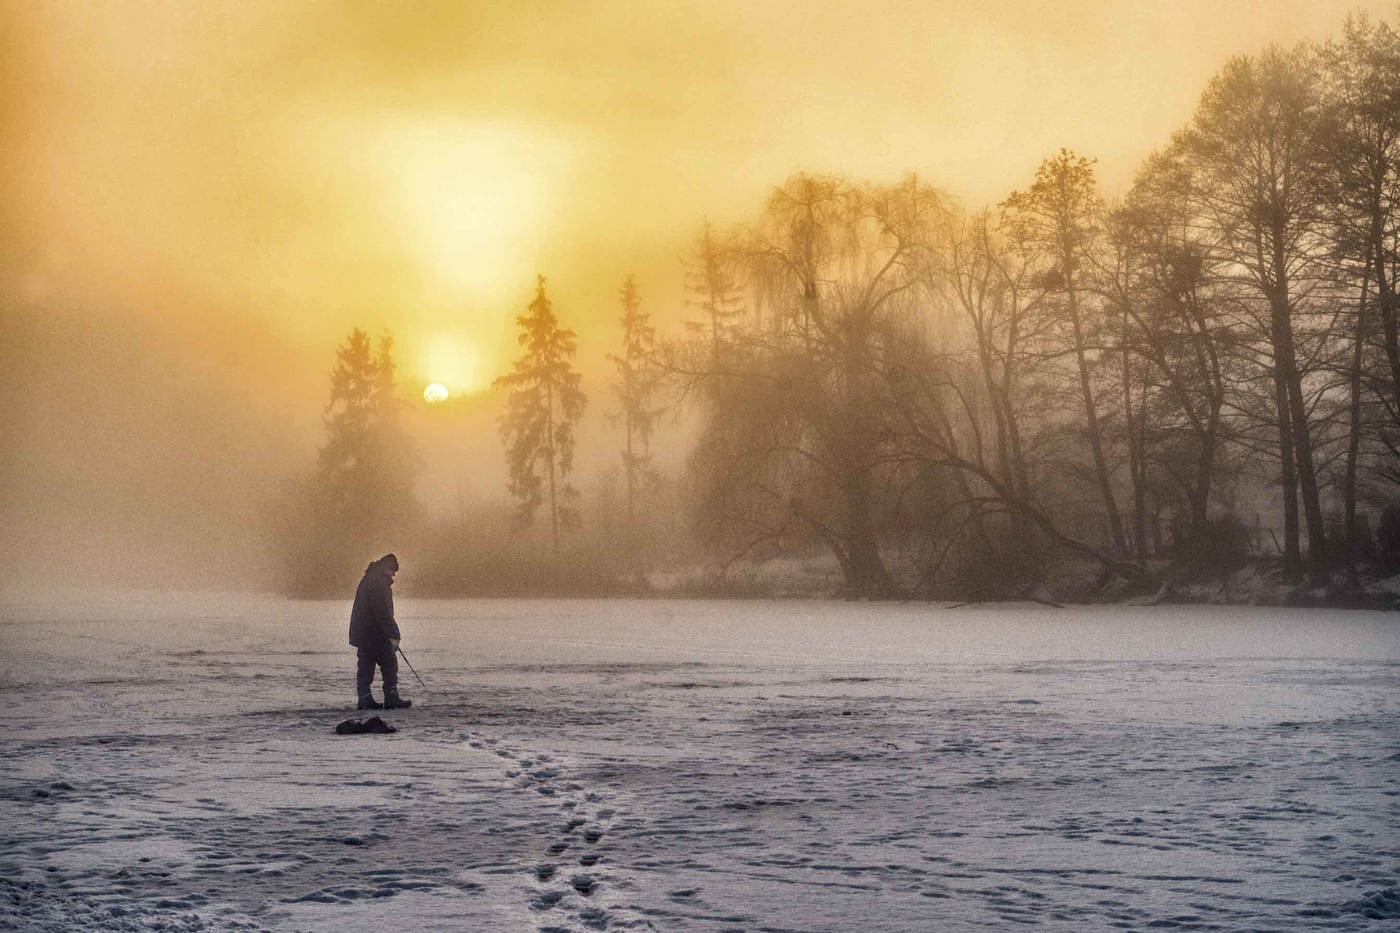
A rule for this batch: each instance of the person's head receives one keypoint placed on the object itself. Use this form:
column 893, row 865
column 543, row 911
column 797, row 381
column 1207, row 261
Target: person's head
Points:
column 389, row 565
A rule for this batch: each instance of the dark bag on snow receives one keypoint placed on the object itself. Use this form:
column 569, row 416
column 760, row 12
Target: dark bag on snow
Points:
column 357, row 726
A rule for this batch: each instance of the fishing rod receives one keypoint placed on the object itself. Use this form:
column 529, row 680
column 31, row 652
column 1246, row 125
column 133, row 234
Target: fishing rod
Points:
column 410, row 667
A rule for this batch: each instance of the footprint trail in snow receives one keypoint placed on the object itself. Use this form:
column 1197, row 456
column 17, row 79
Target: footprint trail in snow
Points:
column 574, row 888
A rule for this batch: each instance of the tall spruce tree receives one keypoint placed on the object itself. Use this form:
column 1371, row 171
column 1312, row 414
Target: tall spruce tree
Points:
column 544, row 404
column 637, row 381
column 717, row 296
column 360, row 495
column 367, row 464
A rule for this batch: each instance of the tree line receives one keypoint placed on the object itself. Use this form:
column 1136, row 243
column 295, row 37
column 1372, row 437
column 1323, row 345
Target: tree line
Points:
column 1074, row 371
column 940, row 398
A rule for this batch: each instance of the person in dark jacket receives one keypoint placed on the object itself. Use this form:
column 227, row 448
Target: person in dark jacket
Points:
column 375, row 633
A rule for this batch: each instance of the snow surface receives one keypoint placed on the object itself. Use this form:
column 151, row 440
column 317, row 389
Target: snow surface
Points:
column 168, row 762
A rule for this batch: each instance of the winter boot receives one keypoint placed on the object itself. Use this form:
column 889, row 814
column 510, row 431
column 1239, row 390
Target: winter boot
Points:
column 392, row 700
column 367, row 701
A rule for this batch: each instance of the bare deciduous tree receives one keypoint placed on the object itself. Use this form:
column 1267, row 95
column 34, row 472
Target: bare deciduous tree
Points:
column 1059, row 219
column 1255, row 149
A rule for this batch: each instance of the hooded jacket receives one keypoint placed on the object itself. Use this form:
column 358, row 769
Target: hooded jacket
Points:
column 372, row 617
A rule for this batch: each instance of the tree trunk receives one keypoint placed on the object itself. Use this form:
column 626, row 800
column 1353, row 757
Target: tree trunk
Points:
column 1292, row 560
column 983, row 555
column 1115, row 521
column 631, row 471
column 1307, row 484
column 1285, row 360
column 1200, row 497
column 1354, row 413
column 549, row 450
column 988, row 366
column 1385, row 303
column 1132, row 427
column 865, row 574
column 1008, row 386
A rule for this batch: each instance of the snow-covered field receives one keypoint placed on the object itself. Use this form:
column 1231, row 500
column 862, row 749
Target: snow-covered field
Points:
column 169, row 763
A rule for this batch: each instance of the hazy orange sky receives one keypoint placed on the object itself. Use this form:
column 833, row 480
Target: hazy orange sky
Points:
column 229, row 182
column 318, row 165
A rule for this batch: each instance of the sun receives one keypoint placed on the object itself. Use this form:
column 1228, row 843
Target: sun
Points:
column 435, row 394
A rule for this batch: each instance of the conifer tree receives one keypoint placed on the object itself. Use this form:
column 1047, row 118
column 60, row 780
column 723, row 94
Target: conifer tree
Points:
column 544, row 404
column 716, row 295
column 361, row 493
column 367, row 464
column 343, row 463
column 637, row 381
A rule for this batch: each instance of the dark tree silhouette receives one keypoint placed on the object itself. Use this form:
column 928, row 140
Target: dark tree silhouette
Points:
column 798, row 429
column 1362, row 71
column 360, row 497
column 638, row 379
column 718, row 297
column 367, row 465
column 1165, row 287
column 1059, row 218
column 1255, row 147
column 544, row 405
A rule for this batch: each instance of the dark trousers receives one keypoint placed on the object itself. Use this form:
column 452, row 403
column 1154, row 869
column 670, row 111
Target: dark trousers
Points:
column 388, row 667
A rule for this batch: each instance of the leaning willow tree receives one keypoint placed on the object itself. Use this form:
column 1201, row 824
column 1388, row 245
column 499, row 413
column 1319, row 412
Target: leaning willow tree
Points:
column 798, row 442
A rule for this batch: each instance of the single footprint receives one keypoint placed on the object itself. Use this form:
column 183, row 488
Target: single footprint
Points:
column 558, row 847
column 592, row 834
column 589, row 860
column 545, row 872
column 545, row 900
column 595, row 918
column 584, row 884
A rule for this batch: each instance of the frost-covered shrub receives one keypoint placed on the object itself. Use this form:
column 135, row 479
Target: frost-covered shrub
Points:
column 1388, row 535
column 1217, row 547
column 1004, row 561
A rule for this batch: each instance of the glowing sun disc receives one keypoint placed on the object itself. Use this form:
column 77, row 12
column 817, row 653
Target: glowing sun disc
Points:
column 435, row 393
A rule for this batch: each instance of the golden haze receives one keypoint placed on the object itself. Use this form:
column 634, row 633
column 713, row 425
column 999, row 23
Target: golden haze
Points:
column 200, row 201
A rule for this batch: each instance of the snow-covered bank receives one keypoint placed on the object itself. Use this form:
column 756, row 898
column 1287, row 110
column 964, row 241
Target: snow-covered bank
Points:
column 169, row 763
column 1066, row 580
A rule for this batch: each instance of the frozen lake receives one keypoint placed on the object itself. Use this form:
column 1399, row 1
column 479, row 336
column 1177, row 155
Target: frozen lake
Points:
column 168, row 763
